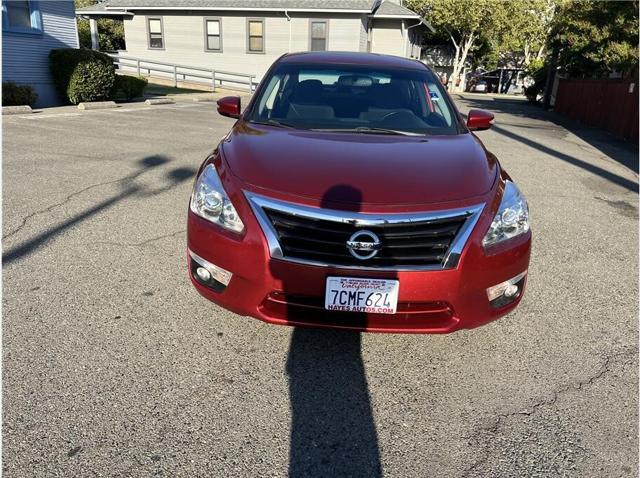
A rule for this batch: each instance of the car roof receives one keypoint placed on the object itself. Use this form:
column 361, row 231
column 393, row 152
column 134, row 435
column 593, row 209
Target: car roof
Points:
column 351, row 58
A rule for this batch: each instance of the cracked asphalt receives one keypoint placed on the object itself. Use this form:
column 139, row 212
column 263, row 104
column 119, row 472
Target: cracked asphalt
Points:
column 114, row 366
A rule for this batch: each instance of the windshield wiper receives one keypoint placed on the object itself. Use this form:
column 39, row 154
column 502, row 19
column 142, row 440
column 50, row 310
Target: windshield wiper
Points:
column 278, row 124
column 369, row 130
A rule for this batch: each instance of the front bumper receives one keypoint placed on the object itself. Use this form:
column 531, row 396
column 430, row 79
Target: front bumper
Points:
column 286, row 293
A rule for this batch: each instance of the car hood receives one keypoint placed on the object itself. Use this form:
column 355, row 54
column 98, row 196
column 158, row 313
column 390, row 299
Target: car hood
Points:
column 364, row 168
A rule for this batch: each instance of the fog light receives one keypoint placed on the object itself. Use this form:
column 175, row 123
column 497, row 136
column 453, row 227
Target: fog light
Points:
column 511, row 290
column 203, row 274
column 209, row 274
column 502, row 294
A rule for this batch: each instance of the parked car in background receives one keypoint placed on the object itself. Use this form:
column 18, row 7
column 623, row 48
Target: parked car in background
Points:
column 479, row 87
column 351, row 194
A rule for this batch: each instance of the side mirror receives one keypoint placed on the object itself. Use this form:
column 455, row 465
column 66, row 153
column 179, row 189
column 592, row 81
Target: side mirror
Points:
column 229, row 106
column 478, row 120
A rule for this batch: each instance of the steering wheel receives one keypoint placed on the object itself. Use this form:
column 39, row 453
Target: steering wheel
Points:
column 388, row 115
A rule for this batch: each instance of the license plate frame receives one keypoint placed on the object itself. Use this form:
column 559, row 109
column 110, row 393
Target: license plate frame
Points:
column 361, row 294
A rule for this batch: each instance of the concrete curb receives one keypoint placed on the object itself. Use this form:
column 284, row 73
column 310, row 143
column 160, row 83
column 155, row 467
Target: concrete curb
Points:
column 159, row 101
column 198, row 99
column 97, row 105
column 16, row 110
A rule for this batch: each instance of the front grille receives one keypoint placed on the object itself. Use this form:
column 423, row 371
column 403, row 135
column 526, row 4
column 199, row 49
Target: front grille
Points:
column 320, row 236
column 410, row 316
column 421, row 243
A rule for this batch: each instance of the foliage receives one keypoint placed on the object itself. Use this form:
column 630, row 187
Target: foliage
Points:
column 537, row 72
column 464, row 21
column 486, row 55
column 129, row 87
column 597, row 38
column 593, row 38
column 17, row 95
column 90, row 81
column 525, row 25
column 63, row 63
column 110, row 31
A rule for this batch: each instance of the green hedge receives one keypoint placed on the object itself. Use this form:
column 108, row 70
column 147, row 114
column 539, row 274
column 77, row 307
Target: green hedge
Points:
column 17, row 95
column 90, row 81
column 81, row 74
column 128, row 87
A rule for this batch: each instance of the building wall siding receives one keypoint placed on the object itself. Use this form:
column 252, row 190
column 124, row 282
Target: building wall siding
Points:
column 25, row 57
column 387, row 37
column 184, row 39
column 364, row 32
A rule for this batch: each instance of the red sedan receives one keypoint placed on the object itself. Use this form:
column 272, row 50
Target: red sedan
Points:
column 350, row 193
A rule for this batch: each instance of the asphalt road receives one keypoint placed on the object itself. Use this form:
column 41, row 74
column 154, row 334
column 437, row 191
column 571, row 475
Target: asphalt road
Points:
column 115, row 366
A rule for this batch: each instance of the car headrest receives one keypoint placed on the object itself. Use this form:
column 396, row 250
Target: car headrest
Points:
column 354, row 80
column 308, row 91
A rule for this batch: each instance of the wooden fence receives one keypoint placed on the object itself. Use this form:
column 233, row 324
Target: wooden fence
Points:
column 610, row 104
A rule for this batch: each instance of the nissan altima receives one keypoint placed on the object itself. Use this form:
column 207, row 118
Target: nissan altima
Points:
column 351, row 193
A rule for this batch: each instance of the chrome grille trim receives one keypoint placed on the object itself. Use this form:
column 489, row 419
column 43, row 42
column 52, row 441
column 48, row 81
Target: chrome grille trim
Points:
column 451, row 257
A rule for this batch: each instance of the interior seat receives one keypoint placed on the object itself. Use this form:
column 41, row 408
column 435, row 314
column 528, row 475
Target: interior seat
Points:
column 307, row 102
column 351, row 96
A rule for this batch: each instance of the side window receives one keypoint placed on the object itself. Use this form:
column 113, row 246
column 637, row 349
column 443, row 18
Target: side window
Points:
column 21, row 16
column 318, row 34
column 212, row 34
column 156, row 34
column 255, row 35
column 272, row 97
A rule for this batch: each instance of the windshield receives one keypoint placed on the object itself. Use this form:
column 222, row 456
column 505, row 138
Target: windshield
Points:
column 354, row 98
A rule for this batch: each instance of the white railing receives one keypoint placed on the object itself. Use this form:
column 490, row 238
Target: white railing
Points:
column 194, row 74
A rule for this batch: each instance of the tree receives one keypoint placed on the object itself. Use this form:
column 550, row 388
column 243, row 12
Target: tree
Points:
column 596, row 38
column 464, row 21
column 110, row 31
column 525, row 26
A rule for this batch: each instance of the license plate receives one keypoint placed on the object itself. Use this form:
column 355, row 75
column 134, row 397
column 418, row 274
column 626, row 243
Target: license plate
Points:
column 350, row 294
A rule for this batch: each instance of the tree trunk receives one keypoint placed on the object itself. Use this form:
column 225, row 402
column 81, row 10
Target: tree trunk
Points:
column 456, row 59
column 527, row 54
column 462, row 51
column 551, row 74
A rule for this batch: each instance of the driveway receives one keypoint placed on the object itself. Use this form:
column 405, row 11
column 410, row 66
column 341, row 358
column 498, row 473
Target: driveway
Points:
column 115, row 366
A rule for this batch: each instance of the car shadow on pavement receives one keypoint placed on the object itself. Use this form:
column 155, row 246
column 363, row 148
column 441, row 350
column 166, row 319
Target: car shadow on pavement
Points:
column 174, row 177
column 333, row 431
column 622, row 152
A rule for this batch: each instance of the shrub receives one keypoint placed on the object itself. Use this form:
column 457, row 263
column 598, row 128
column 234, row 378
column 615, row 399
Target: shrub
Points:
column 90, row 81
column 536, row 71
column 110, row 34
column 128, row 87
column 17, row 95
column 64, row 61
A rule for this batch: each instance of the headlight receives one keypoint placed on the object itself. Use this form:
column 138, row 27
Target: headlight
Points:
column 210, row 201
column 512, row 218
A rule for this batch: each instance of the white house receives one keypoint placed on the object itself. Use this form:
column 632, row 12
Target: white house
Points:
column 246, row 36
column 30, row 29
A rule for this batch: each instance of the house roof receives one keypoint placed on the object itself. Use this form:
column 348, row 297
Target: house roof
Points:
column 393, row 10
column 100, row 9
column 119, row 7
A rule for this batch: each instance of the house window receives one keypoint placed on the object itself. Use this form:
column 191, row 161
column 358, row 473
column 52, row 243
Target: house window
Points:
column 255, row 30
column 156, row 36
column 21, row 16
column 318, row 35
column 212, row 34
